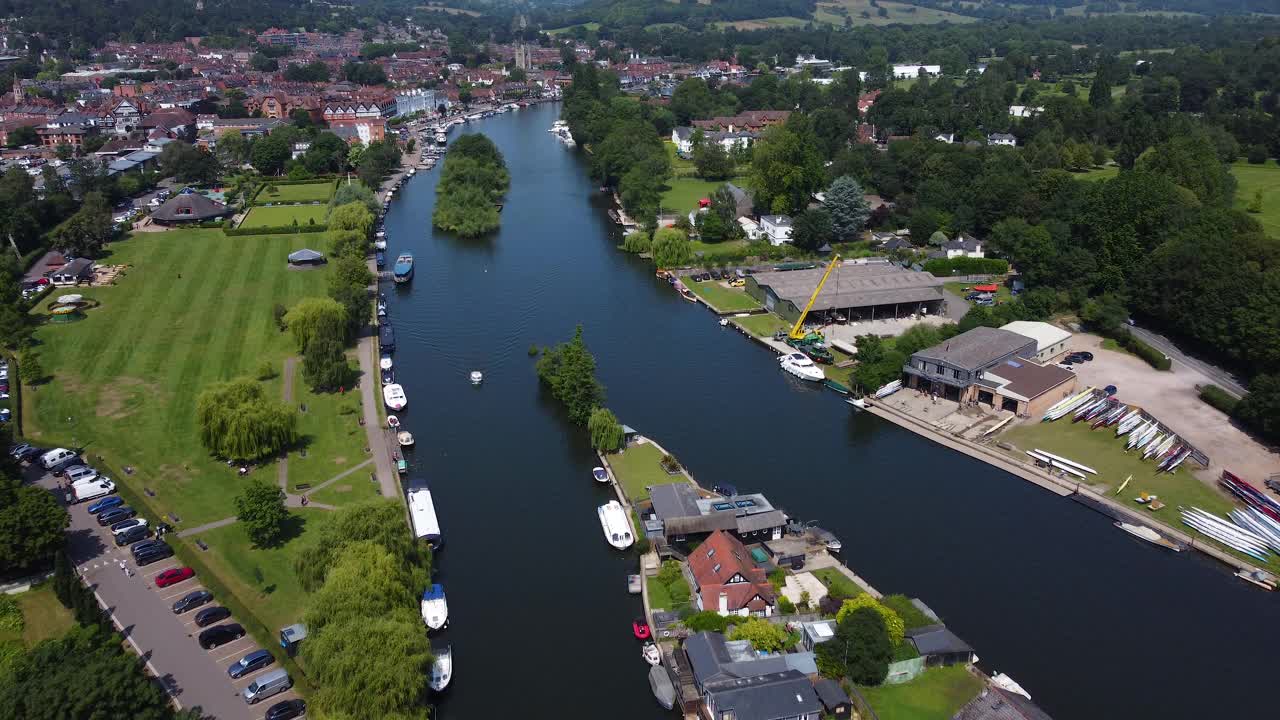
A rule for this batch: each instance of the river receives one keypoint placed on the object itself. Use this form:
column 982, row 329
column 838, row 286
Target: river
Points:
column 1094, row 623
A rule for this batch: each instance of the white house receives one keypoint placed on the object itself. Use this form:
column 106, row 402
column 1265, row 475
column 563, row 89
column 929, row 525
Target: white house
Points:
column 1002, row 139
column 1024, row 111
column 905, row 72
column 777, row 228
column 682, row 138
column 963, row 246
column 1051, row 340
column 750, row 228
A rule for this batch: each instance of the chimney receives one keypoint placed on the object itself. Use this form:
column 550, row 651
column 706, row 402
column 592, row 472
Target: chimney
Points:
column 724, row 603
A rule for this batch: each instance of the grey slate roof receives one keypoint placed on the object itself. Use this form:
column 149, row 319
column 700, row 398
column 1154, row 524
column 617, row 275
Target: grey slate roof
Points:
column 853, row 285
column 830, row 694
column 998, row 704
column 674, row 500
column 937, row 640
column 786, row 694
column 189, row 207
column 977, row 348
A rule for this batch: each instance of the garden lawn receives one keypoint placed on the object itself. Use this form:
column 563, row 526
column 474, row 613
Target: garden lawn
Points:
column 936, row 695
column 305, row 193
column 332, row 436
column 722, row 297
column 1098, row 173
column 1252, row 178
column 837, row 582
column 264, row 579
column 668, row 597
column 728, row 250
column 679, row 166
column 638, row 467
column 285, row 215
column 43, row 616
column 763, row 325
column 590, row 26
column 125, row 379
column 683, row 193
column 1101, row 450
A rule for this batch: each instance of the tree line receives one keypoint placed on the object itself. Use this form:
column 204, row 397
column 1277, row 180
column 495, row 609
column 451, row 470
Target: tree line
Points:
column 472, row 183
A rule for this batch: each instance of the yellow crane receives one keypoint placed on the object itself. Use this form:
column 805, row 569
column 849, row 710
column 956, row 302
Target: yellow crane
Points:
column 797, row 330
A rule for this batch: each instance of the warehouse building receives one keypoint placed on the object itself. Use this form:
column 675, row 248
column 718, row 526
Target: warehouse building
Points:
column 858, row 290
column 1051, row 340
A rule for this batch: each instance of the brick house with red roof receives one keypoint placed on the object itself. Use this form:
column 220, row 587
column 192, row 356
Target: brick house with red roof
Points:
column 726, row 580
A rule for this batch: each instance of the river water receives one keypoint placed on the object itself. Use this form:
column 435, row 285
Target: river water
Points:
column 1094, row 623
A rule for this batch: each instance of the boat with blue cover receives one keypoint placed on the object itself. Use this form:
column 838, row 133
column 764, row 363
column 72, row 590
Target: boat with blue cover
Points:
column 402, row 271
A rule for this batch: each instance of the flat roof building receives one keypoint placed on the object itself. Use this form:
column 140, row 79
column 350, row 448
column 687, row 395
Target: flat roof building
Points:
column 861, row 289
column 1051, row 340
column 681, row 511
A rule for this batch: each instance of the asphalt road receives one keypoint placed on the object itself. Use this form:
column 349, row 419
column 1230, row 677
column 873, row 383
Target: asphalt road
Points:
column 191, row 675
column 1217, row 375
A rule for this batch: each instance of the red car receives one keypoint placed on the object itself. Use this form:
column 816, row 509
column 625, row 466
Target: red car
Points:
column 173, row 576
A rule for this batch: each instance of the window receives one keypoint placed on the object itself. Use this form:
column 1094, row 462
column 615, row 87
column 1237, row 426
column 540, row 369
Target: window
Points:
column 715, row 568
column 711, row 552
column 955, row 374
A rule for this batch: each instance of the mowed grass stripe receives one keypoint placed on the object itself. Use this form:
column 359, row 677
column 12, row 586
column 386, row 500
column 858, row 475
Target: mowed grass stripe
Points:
column 198, row 254
column 246, row 297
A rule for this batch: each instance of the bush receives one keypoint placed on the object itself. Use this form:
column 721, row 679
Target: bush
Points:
column 1257, row 154
column 1219, row 398
column 942, row 267
column 636, row 242
column 912, row 616
column 1154, row 357
column 785, row 606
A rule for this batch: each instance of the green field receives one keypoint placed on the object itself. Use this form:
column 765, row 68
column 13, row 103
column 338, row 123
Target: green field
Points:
column 637, row 468
column 936, row 695
column 763, row 325
column 1252, row 178
column 837, row 582
column 334, row 441
column 683, row 193
column 713, row 251
column 763, row 23
column 43, row 617
column 722, row 297
column 303, row 193
column 592, row 26
column 125, row 379
column 1098, row 173
column 669, row 597
column 285, row 215
column 898, row 13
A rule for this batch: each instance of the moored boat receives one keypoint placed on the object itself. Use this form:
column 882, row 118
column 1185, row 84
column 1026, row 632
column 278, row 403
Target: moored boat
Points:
column 600, row 474
column 651, row 654
column 799, row 365
column 405, row 438
column 435, row 609
column 477, row 377
column 393, row 422
column 442, row 668
column 640, row 629
column 613, row 521
column 1145, row 533
column 394, row 397
column 663, row 689
column 402, row 271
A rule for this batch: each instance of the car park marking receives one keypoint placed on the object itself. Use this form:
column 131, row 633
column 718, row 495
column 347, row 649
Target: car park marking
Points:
column 157, row 572
column 232, row 655
column 183, row 593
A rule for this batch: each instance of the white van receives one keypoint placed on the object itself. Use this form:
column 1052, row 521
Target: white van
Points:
column 55, row 456
column 269, row 683
column 91, row 490
column 81, row 473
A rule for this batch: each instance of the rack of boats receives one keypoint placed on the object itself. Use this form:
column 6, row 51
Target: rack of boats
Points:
column 1101, row 408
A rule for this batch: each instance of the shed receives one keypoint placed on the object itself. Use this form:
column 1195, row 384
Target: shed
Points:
column 306, row 256
column 189, row 208
column 939, row 646
column 73, row 273
column 833, row 698
column 291, row 636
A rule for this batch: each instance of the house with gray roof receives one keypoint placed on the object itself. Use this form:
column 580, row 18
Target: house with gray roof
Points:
column 786, row 695
column 681, row 511
column 939, row 646
column 999, row 704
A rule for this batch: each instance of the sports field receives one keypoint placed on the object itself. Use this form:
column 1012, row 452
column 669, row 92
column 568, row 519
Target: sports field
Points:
column 1251, row 179
column 304, row 193
column 285, row 215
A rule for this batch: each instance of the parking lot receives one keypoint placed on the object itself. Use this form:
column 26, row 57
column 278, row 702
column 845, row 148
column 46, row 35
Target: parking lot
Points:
column 167, row 641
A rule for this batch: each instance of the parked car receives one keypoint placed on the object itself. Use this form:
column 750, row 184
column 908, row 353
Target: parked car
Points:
column 217, row 635
column 148, row 545
column 106, row 503
column 286, row 710
column 191, row 601
column 209, row 616
column 252, row 662
column 80, row 473
column 129, row 524
column 28, row 455
column 149, row 556
column 115, row 515
column 132, row 535
column 1082, row 356
column 173, row 576
column 267, row 685
column 60, row 469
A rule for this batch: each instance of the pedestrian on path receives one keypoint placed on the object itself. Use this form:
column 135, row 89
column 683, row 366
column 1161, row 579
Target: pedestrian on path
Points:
column 124, row 568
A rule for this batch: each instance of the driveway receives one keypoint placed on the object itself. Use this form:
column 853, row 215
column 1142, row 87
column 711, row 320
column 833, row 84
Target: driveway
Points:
column 191, row 675
column 1212, row 373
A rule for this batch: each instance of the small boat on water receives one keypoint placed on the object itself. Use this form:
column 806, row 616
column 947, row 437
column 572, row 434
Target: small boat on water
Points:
column 828, row 539
column 613, row 521
column 442, row 668
column 402, row 271
column 600, row 474
column 477, row 377
column 394, row 397
column 435, row 610
column 385, row 362
column 380, row 259
column 1261, row 578
column 1151, row 536
column 858, row 404
column 405, row 438
column 663, row 689
column 634, row 585
column 799, row 365
column 651, row 654
column 388, row 376
column 393, row 422
column 640, row 629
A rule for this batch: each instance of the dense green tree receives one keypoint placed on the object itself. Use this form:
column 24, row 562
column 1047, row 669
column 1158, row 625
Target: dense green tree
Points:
column 325, row 365
column 269, row 154
column 1191, row 161
column 377, row 521
column 189, row 164
column 315, row 71
column 377, row 666
column 860, row 649
column 606, row 431
column 785, row 169
column 354, row 216
column 32, row 527
column 314, row 319
column 30, row 369
column 365, row 581
column 473, row 181
column 1260, row 409
column 349, row 192
column 326, row 154
column 237, row 421
column 260, row 510
column 812, row 229
column 847, row 204
column 671, row 248
column 84, row 233
column 763, row 635
column 636, row 241
column 569, row 372
column 712, row 161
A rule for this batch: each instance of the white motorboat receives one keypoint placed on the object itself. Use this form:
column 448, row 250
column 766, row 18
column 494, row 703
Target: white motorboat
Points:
column 393, row 422
column 385, row 362
column 435, row 609
column 441, row 669
column 799, row 365
column 613, row 520
column 380, row 244
column 600, row 474
column 477, row 377
column 405, row 438
column 651, row 654
column 393, row 395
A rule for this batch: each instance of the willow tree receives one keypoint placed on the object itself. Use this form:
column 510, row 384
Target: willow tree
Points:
column 316, row 318
column 237, row 421
column 352, row 216
column 606, row 431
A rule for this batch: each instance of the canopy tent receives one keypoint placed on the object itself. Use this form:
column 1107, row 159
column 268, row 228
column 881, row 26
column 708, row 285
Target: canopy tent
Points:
column 986, row 288
column 69, row 299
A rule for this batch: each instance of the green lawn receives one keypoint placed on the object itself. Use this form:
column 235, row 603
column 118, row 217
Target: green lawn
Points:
column 1266, row 178
column 125, row 379
column 679, row 166
column 730, row 249
column 334, row 440
column 900, row 13
column 638, row 467
column 1101, row 450
column 683, row 193
column 722, row 297
column 43, row 617
column 763, row 325
column 1098, row 173
column 305, row 193
column 592, row 26
column 837, row 582
column 263, row 579
column 283, row 215
column 1003, row 293
column 763, row 23
column 668, row 597
column 936, row 695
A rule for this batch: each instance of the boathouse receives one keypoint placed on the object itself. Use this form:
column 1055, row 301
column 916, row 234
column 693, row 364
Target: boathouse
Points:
column 1051, row 340
column 859, row 289
column 682, row 512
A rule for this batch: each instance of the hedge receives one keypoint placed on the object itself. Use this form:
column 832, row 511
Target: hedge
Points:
column 1219, row 398
column 1154, row 357
column 943, row 267
column 276, row 230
